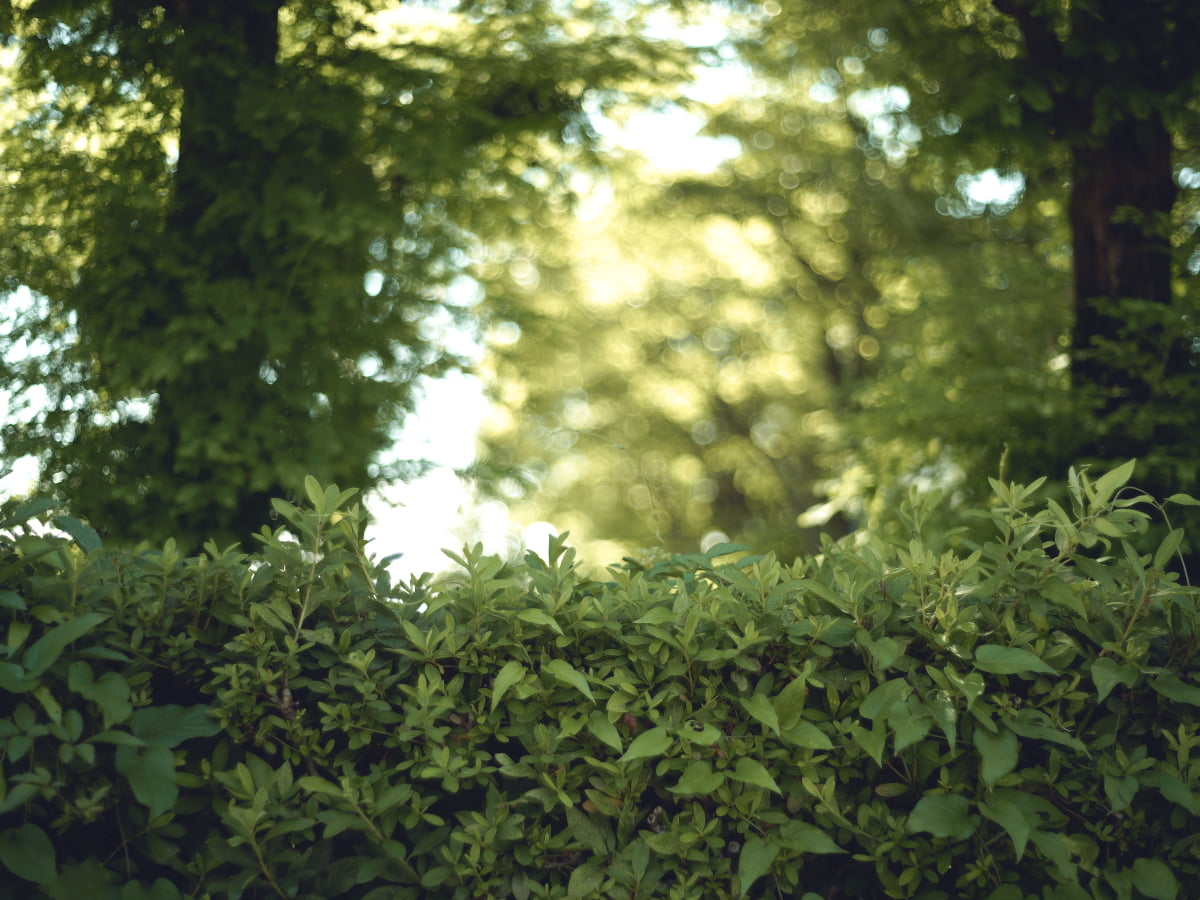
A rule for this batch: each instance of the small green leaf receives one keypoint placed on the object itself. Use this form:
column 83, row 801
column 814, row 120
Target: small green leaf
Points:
column 761, row 709
column 1009, row 660
column 111, row 692
column 698, row 778
column 586, row 879
column 752, row 772
column 1108, row 483
column 1183, row 500
column 1167, row 548
column 754, row 862
column 27, row 852
column 603, row 729
column 564, row 672
column 943, row 815
column 1120, row 790
column 653, row 742
column 1153, row 878
column 511, row 673
column 11, row 600
column 316, row 495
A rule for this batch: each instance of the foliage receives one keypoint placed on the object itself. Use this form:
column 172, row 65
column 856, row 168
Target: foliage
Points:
column 922, row 718
column 243, row 227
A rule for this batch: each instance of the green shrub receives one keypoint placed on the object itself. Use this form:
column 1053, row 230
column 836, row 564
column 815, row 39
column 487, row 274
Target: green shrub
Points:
column 931, row 720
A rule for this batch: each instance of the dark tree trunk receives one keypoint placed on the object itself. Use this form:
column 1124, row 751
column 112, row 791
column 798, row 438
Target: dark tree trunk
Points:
column 1120, row 203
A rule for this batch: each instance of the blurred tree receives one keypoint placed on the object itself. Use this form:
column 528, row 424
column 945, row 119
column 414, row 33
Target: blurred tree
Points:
column 230, row 230
column 843, row 310
column 735, row 353
column 1102, row 97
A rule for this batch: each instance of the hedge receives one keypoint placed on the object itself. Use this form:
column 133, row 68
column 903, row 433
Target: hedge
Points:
column 1008, row 718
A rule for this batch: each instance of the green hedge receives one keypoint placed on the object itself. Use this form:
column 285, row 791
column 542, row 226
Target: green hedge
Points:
column 935, row 719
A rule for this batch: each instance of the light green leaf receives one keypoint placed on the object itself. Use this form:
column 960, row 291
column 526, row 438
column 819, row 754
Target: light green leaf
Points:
column 1167, row 548
column 1153, row 878
column 943, row 815
column 1183, row 500
column 511, row 673
column 1009, row 660
column 653, row 742
column 789, row 703
column 567, row 674
column 880, row 701
column 586, row 879
column 603, row 729
column 754, row 862
column 1108, row 483
column 752, row 772
column 659, row 615
column 27, row 852
column 698, row 778
column 761, row 709
column 806, row 734
column 998, row 753
column 806, row 838
column 872, row 741
column 540, row 617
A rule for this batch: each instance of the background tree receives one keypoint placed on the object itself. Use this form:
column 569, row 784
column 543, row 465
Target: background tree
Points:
column 783, row 344
column 239, row 224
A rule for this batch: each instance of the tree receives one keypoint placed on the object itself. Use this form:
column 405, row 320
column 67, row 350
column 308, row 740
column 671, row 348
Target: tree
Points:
column 240, row 223
column 1100, row 96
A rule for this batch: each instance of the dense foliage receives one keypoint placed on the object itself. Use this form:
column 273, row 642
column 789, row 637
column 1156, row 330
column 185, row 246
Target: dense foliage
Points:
column 924, row 718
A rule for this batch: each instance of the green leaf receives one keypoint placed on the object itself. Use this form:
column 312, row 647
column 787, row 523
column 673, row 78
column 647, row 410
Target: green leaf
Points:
column 42, row 655
column 586, row 879
column 998, row 753
column 603, row 729
column 1108, row 483
column 761, row 709
column 1009, row 660
column 789, row 703
column 111, row 692
column 1167, row 548
column 1172, row 688
column 1009, row 817
column 160, row 890
column 169, row 725
column 511, row 673
column 653, row 742
column 1107, row 673
column 880, row 701
column 754, row 862
column 540, row 617
column 1120, row 790
column 1154, row 879
column 698, row 778
column 806, row 838
column 806, row 734
column 1183, row 500
column 751, row 771
column 943, row 815
column 567, row 674
column 872, row 742
column 11, row 600
column 151, row 774
column 82, row 534
column 1174, row 789
column 27, row 852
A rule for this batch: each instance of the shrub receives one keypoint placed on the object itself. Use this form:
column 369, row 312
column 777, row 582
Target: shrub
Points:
column 931, row 719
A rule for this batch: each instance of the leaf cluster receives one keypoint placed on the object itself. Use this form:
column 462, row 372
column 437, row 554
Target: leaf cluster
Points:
column 925, row 718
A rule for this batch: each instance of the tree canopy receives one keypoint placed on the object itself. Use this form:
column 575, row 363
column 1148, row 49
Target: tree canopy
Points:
column 231, row 231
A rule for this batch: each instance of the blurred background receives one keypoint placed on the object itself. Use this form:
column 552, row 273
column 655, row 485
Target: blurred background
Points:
column 662, row 275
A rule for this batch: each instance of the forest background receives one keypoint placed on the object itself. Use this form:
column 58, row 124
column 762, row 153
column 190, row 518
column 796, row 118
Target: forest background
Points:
column 940, row 241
